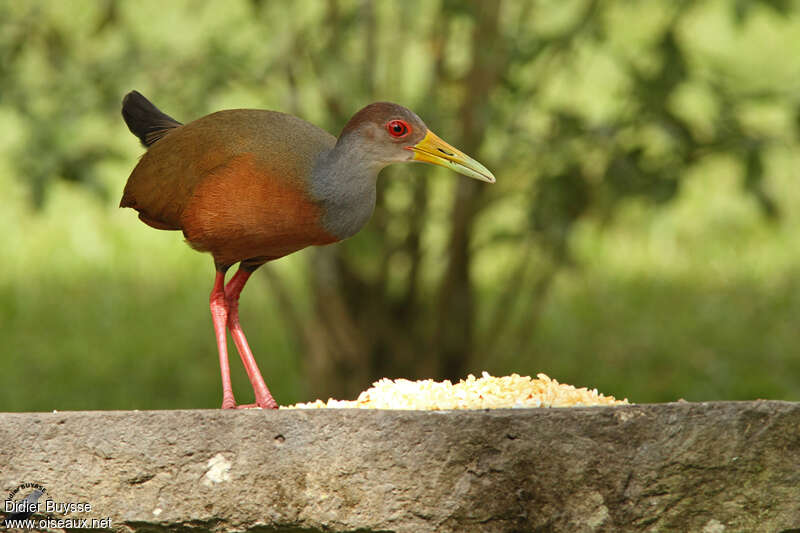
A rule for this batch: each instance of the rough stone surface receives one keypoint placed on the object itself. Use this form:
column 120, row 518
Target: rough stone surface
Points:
column 708, row 467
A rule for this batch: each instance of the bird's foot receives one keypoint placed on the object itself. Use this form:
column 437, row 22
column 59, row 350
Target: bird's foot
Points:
column 257, row 406
column 228, row 403
column 268, row 403
column 264, row 403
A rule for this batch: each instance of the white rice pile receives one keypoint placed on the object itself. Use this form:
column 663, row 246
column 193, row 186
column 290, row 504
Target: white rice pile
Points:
column 486, row 392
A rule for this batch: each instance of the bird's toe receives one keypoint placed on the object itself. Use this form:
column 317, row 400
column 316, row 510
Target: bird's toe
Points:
column 228, row 403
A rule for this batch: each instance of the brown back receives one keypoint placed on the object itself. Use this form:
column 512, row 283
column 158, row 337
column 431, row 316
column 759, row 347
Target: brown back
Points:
column 232, row 181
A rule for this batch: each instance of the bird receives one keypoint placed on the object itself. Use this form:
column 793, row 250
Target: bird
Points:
column 250, row 186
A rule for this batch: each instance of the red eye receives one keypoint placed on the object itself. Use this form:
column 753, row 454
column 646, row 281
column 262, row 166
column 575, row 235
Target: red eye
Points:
column 397, row 128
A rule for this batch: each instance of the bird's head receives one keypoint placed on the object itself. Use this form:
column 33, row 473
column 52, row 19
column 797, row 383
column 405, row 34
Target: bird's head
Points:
column 390, row 133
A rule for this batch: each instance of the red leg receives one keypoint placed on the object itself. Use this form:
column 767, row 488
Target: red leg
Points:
column 232, row 291
column 219, row 314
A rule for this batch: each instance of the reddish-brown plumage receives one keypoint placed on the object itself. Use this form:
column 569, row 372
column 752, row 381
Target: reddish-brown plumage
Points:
column 267, row 218
column 236, row 182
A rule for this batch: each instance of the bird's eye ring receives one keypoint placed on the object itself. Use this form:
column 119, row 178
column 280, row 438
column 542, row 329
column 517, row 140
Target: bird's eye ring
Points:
column 397, row 128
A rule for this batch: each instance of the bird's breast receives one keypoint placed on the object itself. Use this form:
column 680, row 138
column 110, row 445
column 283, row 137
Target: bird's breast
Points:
column 344, row 215
column 345, row 187
column 242, row 210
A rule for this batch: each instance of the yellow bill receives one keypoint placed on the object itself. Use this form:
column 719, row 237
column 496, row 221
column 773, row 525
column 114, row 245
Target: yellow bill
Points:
column 432, row 149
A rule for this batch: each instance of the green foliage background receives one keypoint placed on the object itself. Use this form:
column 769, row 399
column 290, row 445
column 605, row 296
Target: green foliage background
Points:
column 642, row 237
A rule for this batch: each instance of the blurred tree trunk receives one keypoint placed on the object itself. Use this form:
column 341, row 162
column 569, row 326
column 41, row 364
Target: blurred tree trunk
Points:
column 336, row 346
column 455, row 321
column 359, row 331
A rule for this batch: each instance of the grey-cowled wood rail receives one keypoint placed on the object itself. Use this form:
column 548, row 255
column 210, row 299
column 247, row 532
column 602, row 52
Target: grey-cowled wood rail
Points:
column 250, row 186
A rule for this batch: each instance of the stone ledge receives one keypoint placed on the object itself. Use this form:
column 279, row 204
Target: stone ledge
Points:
column 713, row 467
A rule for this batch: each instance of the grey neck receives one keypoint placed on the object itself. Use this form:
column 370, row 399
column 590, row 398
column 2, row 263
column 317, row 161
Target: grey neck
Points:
column 343, row 181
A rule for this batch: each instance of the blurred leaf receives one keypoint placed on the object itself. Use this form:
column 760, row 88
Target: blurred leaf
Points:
column 753, row 181
column 558, row 202
column 627, row 176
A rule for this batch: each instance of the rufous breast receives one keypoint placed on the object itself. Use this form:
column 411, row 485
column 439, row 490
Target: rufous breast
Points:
column 242, row 211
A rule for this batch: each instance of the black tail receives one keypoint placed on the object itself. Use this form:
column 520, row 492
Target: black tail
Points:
column 144, row 119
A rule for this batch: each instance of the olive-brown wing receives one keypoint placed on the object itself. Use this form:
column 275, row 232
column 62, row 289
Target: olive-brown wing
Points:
column 282, row 150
